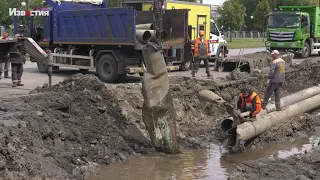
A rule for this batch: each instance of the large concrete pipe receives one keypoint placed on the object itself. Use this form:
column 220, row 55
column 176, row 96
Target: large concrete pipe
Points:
column 249, row 130
column 227, row 123
column 145, row 26
column 154, row 35
column 158, row 112
column 143, row 35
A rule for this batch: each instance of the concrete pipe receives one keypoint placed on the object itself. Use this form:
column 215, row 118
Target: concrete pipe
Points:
column 143, row 35
column 145, row 26
column 158, row 111
column 164, row 35
column 154, row 35
column 285, row 101
column 249, row 130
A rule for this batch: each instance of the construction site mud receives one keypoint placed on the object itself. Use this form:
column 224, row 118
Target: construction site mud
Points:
column 66, row 130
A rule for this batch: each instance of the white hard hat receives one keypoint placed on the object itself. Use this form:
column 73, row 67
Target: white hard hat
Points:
column 275, row 52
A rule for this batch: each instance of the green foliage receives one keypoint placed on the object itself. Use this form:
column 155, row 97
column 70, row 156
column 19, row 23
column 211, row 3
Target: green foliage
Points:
column 112, row 3
column 232, row 14
column 262, row 9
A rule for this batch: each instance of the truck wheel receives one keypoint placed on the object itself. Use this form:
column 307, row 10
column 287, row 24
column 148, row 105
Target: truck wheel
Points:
column 185, row 66
column 42, row 66
column 305, row 51
column 108, row 69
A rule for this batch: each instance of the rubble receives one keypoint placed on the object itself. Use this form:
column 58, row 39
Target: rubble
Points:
column 66, row 130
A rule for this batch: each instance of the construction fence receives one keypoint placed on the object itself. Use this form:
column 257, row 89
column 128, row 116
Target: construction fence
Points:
column 244, row 34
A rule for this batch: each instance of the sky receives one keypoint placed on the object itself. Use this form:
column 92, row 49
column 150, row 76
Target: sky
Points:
column 213, row 2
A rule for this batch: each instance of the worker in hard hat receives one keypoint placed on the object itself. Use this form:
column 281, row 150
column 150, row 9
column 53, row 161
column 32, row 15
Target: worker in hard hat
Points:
column 249, row 103
column 201, row 52
column 275, row 80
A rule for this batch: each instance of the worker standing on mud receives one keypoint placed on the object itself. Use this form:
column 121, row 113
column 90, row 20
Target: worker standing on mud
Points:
column 275, row 80
column 249, row 103
column 4, row 60
column 201, row 52
column 17, row 60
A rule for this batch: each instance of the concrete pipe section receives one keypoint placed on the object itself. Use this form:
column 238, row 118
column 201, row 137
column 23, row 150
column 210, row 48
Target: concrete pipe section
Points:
column 148, row 26
column 143, row 35
column 249, row 130
column 226, row 124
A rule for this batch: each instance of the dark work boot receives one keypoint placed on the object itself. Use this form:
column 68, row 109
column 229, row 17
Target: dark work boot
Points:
column 278, row 107
column 6, row 75
column 14, row 84
column 19, row 84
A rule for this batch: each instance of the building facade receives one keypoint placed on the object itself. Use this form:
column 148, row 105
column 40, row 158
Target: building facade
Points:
column 214, row 12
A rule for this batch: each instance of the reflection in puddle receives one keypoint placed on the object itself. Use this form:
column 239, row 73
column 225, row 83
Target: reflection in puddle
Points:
column 214, row 163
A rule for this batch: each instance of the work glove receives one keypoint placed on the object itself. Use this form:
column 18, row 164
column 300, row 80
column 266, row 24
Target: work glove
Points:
column 237, row 112
column 242, row 115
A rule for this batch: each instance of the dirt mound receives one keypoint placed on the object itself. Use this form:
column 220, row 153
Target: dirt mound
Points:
column 65, row 130
column 294, row 167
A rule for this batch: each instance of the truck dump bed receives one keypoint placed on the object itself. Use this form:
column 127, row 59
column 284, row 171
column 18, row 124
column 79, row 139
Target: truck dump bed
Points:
column 113, row 26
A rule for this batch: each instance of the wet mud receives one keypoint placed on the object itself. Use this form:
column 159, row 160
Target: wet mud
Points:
column 65, row 131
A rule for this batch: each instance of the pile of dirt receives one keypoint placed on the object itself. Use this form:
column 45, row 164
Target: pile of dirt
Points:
column 297, row 167
column 65, row 130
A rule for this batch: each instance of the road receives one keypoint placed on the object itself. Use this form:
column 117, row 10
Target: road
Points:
column 33, row 78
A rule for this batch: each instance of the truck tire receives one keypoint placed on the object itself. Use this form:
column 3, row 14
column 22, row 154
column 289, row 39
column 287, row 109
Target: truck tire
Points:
column 185, row 66
column 107, row 69
column 305, row 52
column 42, row 66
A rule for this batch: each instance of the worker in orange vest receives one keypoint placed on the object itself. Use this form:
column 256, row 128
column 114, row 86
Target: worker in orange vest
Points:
column 201, row 52
column 249, row 103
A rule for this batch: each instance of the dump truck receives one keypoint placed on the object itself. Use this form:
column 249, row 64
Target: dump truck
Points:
column 295, row 29
column 90, row 36
column 199, row 18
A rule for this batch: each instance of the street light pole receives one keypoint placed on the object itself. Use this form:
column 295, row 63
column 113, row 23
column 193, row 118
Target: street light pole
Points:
column 253, row 26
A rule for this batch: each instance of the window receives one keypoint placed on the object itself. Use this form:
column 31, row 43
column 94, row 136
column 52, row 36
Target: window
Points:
column 201, row 27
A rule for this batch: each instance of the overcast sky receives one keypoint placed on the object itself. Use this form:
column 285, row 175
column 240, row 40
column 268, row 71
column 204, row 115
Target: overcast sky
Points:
column 213, row 2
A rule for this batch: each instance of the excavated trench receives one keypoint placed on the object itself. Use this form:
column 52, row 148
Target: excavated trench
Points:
column 66, row 131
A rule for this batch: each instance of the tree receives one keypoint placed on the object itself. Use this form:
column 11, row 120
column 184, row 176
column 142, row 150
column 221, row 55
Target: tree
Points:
column 232, row 14
column 262, row 9
column 250, row 7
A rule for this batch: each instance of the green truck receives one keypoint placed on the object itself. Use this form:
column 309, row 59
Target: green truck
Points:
column 295, row 29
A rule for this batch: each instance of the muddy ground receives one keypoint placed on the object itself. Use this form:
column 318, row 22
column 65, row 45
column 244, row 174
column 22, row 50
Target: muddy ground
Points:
column 64, row 131
column 297, row 167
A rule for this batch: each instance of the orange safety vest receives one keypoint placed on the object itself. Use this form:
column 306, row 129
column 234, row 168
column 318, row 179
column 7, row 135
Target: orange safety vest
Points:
column 249, row 101
column 196, row 47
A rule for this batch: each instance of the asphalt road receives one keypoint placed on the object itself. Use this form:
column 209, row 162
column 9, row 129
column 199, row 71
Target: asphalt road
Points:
column 33, row 78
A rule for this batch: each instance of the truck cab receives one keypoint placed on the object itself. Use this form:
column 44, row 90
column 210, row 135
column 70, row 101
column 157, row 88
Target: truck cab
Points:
column 218, row 44
column 294, row 29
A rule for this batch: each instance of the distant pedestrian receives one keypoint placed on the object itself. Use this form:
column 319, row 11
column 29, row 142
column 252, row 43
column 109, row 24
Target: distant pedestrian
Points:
column 17, row 60
column 275, row 80
column 4, row 60
column 201, row 52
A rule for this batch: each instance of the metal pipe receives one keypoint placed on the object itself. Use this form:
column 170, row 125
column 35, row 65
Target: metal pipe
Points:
column 285, row 101
column 154, row 35
column 249, row 130
column 148, row 26
column 143, row 35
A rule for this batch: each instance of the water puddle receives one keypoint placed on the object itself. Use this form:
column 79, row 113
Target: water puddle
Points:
column 213, row 163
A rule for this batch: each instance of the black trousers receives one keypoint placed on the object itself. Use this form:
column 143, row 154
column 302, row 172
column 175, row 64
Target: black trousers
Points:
column 17, row 71
column 196, row 65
